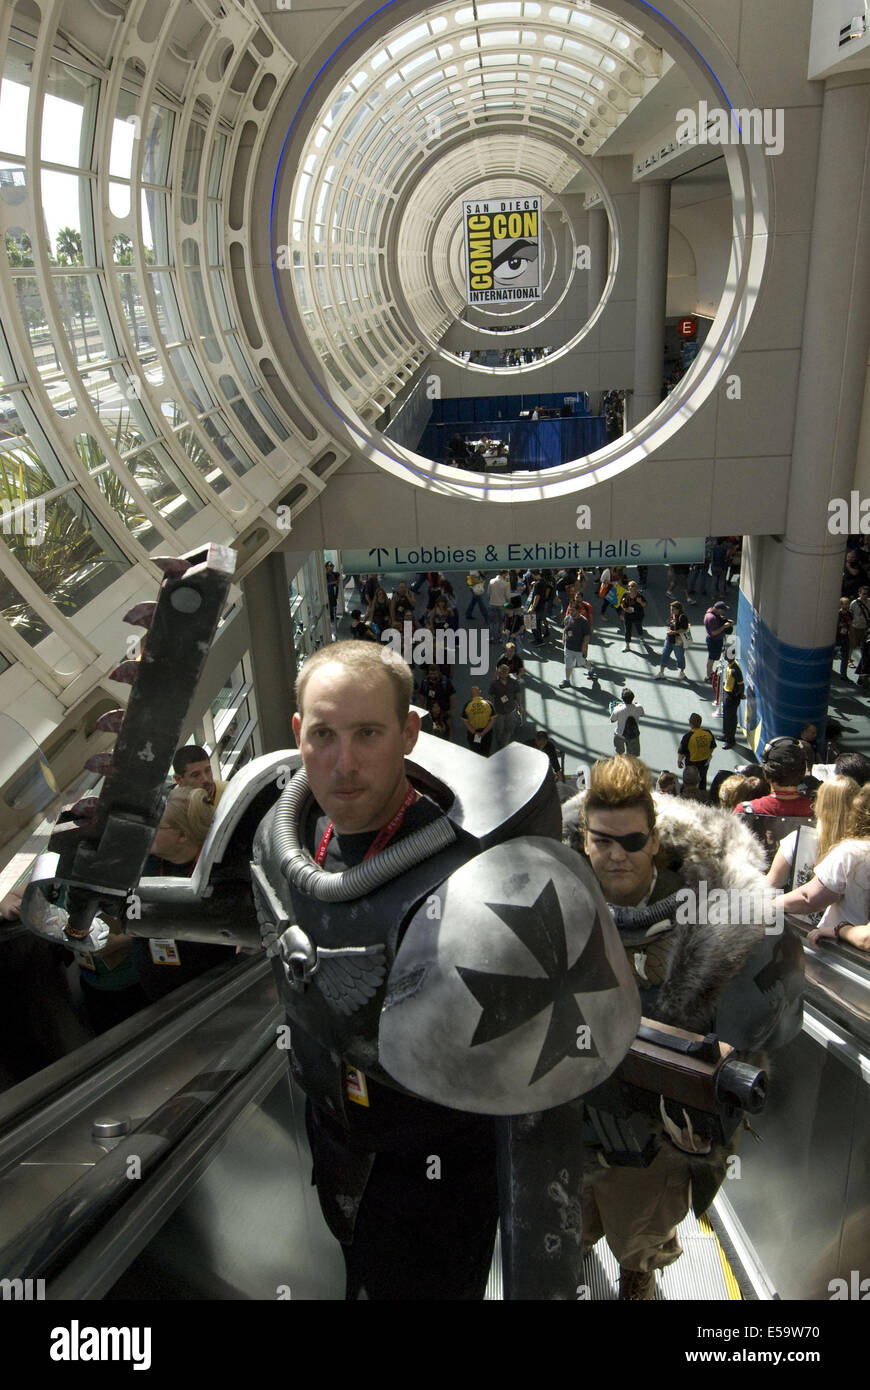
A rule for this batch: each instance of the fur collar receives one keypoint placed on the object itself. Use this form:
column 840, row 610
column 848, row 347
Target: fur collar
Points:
column 698, row 843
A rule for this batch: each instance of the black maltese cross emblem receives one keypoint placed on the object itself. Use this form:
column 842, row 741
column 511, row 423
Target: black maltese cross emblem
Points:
column 509, row 1001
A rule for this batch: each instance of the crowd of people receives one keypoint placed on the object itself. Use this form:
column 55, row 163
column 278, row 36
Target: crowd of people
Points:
column 852, row 637
column 805, row 801
column 517, row 605
column 537, row 609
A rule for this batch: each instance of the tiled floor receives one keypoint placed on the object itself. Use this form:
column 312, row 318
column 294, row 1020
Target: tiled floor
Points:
column 578, row 720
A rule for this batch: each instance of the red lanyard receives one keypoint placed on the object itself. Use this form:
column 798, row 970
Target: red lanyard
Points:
column 383, row 837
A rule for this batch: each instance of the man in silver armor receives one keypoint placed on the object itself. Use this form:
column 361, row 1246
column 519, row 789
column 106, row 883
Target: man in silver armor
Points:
column 380, row 981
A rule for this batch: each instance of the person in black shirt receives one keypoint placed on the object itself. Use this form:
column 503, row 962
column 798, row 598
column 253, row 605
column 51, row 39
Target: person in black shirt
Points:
column 575, row 642
column 439, row 723
column 542, row 592
column 333, row 581
column 511, row 658
column 359, row 629
column 437, row 688
column 631, row 609
column 504, row 696
column 545, row 744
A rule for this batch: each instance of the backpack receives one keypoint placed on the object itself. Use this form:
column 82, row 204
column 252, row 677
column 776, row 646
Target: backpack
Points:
column 631, row 728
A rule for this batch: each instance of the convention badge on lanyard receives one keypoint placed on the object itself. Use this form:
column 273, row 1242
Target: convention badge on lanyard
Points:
column 163, row 951
column 383, row 837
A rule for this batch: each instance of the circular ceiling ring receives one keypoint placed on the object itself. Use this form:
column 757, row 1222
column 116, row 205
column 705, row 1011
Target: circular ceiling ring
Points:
column 394, row 258
column 691, row 42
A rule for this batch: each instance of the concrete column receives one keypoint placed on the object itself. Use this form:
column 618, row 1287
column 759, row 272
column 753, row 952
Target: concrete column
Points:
column 273, row 654
column 654, row 209
column 787, row 615
column 599, row 245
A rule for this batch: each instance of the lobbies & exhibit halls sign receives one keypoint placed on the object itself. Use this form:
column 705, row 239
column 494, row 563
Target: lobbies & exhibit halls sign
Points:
column 502, row 249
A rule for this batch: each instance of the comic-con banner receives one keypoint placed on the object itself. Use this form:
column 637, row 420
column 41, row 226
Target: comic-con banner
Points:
column 502, row 249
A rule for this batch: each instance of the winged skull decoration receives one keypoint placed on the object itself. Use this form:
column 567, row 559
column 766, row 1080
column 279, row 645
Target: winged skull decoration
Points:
column 347, row 977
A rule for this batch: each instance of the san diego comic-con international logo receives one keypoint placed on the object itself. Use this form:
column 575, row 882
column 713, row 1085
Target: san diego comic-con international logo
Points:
column 502, row 249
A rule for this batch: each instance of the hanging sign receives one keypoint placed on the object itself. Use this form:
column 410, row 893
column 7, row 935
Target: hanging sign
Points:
column 502, row 249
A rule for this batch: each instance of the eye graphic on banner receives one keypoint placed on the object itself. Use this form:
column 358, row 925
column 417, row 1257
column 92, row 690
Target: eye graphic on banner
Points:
column 502, row 249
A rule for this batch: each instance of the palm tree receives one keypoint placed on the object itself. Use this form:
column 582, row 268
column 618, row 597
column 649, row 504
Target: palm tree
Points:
column 19, row 252
column 68, row 244
column 68, row 557
column 123, row 254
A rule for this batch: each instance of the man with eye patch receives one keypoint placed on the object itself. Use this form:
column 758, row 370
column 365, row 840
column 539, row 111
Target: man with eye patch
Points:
column 644, row 850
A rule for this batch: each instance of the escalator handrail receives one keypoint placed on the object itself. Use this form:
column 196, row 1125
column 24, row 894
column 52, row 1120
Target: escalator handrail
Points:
column 35, row 1108
column 54, row 1235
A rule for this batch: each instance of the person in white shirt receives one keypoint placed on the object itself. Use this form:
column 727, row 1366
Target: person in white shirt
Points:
column 841, row 881
column 832, row 809
column 626, row 717
column 497, row 597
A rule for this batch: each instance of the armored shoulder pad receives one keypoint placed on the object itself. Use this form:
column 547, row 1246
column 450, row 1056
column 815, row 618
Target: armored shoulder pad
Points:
column 510, row 992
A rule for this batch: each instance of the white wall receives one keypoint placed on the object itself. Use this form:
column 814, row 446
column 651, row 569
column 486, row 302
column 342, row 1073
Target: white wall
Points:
column 707, row 227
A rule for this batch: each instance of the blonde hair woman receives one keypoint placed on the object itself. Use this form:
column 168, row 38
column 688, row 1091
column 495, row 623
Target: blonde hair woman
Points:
column 841, row 880
column 833, row 804
column 184, row 825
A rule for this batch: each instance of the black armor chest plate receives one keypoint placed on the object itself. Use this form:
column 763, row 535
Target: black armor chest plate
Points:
column 336, row 995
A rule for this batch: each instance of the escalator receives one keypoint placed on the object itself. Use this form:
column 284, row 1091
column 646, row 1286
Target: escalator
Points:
column 167, row 1160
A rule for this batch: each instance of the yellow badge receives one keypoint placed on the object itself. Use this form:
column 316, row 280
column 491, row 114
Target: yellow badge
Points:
column 355, row 1086
column 164, row 951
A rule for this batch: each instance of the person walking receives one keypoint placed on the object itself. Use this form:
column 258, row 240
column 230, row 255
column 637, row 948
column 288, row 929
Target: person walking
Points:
column 677, row 639
column 497, row 601
column 843, row 640
column 696, row 749
column 859, row 609
column 626, row 716
column 718, row 564
column 475, row 582
column 479, row 720
column 631, row 610
column 575, row 641
column 542, row 592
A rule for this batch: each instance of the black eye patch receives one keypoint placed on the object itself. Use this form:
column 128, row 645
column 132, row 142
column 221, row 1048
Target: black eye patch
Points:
column 630, row 843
